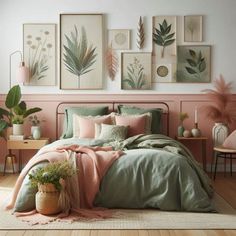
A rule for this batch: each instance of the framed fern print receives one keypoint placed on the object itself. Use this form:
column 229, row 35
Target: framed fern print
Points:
column 136, row 70
column 39, row 49
column 194, row 64
column 164, row 48
column 81, row 51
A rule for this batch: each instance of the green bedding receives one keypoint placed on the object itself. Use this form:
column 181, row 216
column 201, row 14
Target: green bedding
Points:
column 155, row 172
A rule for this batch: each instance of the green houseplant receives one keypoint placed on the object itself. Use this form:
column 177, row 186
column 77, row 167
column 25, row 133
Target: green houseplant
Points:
column 16, row 111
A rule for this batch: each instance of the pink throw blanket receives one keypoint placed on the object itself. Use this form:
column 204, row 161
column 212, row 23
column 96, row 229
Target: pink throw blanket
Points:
column 92, row 162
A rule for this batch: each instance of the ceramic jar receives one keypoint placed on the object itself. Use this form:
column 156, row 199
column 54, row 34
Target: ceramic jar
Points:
column 220, row 132
column 36, row 132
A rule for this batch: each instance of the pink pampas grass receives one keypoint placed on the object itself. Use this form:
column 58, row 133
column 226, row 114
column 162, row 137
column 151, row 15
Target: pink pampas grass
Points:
column 222, row 109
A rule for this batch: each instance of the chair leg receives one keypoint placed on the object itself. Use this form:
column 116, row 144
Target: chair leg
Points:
column 225, row 158
column 216, row 160
column 5, row 163
column 212, row 161
column 231, row 168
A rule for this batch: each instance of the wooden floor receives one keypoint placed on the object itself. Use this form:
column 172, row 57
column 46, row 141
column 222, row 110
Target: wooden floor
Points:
column 225, row 186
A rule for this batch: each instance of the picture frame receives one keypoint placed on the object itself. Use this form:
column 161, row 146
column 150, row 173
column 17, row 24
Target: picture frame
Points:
column 164, row 48
column 39, row 53
column 81, row 51
column 119, row 39
column 194, row 64
column 193, row 28
column 164, row 73
column 136, row 72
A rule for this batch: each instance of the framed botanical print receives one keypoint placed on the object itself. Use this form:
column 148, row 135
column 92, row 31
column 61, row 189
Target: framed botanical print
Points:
column 164, row 48
column 119, row 39
column 39, row 49
column 192, row 28
column 81, row 51
column 194, row 64
column 136, row 70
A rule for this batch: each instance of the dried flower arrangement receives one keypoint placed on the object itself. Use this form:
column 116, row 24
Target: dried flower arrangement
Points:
column 112, row 62
column 183, row 116
column 222, row 109
column 140, row 34
column 52, row 173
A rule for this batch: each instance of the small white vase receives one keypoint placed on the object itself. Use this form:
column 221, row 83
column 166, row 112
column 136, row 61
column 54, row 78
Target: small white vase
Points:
column 33, row 128
column 18, row 129
column 220, row 132
column 36, row 132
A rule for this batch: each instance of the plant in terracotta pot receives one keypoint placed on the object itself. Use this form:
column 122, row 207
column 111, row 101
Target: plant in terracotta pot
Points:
column 182, row 116
column 222, row 110
column 16, row 113
column 50, row 181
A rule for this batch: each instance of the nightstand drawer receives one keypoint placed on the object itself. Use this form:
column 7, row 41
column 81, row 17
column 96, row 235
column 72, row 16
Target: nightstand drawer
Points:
column 27, row 143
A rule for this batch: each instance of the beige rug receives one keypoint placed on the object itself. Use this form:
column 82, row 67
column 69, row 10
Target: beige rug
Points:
column 135, row 219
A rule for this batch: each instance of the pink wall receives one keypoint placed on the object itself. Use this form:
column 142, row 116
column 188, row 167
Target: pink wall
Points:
column 177, row 103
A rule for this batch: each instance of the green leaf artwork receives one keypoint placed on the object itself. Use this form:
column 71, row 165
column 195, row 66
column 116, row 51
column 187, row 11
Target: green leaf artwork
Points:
column 163, row 37
column 78, row 56
column 135, row 75
column 38, row 54
column 196, row 63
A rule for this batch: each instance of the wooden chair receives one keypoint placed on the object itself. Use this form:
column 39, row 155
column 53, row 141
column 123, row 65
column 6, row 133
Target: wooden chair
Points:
column 225, row 153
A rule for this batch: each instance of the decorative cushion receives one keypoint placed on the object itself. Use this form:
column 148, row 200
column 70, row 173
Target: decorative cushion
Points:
column 26, row 198
column 84, row 126
column 82, row 111
column 110, row 132
column 230, row 141
column 137, row 124
column 156, row 115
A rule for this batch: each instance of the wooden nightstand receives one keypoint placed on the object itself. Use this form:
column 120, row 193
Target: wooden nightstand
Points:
column 27, row 144
column 203, row 141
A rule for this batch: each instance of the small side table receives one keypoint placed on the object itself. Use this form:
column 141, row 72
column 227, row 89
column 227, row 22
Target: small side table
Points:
column 27, row 144
column 203, row 141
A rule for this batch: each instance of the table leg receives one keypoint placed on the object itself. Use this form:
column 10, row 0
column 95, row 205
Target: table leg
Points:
column 204, row 154
column 20, row 161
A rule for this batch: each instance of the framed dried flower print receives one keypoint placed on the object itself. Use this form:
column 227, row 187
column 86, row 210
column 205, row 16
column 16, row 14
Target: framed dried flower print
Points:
column 136, row 70
column 194, row 64
column 81, row 51
column 192, row 28
column 119, row 39
column 39, row 49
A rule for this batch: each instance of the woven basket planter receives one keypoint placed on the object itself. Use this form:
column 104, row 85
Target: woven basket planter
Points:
column 47, row 199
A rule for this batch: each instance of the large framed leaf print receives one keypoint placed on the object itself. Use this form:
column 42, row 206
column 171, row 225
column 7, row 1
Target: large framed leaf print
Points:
column 136, row 70
column 194, row 64
column 39, row 49
column 81, row 51
column 164, row 49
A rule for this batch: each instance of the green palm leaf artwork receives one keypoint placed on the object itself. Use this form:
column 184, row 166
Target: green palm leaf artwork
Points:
column 78, row 56
column 135, row 78
column 196, row 63
column 163, row 36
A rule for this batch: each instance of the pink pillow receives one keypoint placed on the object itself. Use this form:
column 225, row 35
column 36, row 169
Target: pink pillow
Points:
column 230, row 141
column 84, row 126
column 136, row 123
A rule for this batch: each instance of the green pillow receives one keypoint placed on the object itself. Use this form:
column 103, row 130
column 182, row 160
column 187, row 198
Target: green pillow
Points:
column 81, row 111
column 156, row 115
column 26, row 197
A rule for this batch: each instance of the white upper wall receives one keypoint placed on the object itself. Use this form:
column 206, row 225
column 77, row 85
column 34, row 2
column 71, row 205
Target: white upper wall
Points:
column 219, row 25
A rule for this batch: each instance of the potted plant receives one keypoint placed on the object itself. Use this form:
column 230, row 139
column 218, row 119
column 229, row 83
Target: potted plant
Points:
column 16, row 113
column 222, row 110
column 182, row 117
column 50, row 181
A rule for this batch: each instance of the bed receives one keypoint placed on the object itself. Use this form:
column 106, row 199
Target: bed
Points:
column 155, row 170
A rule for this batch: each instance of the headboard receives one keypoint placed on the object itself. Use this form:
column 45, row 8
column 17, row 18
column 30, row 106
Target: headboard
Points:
column 60, row 110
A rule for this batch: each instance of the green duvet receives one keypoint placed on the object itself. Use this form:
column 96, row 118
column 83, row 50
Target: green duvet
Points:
column 155, row 172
